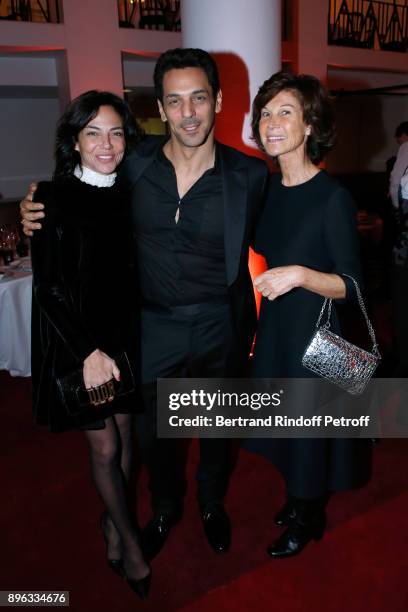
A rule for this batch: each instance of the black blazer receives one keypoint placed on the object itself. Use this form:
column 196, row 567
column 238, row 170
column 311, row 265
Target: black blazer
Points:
column 244, row 185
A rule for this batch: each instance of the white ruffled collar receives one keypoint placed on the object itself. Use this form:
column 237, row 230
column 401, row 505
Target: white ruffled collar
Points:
column 96, row 179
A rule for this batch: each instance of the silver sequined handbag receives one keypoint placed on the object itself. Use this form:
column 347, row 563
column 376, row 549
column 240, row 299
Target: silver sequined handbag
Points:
column 342, row 363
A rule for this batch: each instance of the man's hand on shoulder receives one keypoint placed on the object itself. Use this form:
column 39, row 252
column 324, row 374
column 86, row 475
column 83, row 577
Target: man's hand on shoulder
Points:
column 31, row 211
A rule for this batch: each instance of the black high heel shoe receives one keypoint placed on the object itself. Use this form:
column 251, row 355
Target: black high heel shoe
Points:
column 308, row 523
column 114, row 564
column 142, row 586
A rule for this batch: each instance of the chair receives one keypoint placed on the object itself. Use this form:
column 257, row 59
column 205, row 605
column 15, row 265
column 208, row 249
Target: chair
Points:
column 127, row 20
column 21, row 9
column 395, row 36
column 151, row 15
column 353, row 29
column 171, row 13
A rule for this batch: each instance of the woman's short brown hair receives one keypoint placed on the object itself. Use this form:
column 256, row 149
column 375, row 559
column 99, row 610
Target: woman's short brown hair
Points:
column 316, row 107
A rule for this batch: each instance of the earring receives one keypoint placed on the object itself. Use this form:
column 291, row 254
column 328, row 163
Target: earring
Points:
column 308, row 132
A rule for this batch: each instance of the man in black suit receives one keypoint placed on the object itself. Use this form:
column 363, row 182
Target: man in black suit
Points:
column 194, row 206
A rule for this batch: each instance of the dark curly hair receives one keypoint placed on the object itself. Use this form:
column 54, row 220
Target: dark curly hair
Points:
column 315, row 104
column 185, row 58
column 77, row 115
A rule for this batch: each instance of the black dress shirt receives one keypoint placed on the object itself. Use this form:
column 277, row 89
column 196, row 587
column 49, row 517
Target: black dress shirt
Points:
column 182, row 262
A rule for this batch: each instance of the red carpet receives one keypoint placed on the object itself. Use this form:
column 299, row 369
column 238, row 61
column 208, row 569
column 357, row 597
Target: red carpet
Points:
column 362, row 564
column 50, row 539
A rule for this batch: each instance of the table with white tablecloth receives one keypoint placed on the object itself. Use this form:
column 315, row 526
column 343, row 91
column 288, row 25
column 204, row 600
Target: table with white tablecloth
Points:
column 15, row 319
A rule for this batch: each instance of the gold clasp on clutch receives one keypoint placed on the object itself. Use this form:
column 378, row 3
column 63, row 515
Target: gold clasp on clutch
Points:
column 102, row 393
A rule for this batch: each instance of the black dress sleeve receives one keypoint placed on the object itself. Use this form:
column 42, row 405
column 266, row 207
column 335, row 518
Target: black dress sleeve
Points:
column 49, row 291
column 341, row 236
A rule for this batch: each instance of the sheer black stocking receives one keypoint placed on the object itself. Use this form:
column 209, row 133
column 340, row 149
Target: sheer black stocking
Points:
column 123, row 423
column 107, row 451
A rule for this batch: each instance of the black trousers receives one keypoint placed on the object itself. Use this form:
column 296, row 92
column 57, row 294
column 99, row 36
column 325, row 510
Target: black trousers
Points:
column 184, row 341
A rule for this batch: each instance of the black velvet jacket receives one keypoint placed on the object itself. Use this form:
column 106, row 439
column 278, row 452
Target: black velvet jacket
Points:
column 83, row 290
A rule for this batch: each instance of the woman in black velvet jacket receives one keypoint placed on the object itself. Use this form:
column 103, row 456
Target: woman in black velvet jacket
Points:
column 83, row 313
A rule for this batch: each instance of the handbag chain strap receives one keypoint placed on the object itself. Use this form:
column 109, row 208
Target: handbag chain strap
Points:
column 329, row 301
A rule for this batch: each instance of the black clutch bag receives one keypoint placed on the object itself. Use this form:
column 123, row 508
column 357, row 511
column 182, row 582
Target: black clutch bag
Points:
column 79, row 400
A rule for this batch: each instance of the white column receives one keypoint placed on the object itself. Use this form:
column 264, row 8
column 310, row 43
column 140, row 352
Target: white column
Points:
column 93, row 46
column 249, row 29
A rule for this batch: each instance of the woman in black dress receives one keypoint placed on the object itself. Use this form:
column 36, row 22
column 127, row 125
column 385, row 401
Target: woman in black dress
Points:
column 83, row 311
column 308, row 236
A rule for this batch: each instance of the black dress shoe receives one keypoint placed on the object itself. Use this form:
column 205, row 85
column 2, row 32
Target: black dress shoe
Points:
column 140, row 587
column 285, row 514
column 155, row 534
column 217, row 528
column 307, row 524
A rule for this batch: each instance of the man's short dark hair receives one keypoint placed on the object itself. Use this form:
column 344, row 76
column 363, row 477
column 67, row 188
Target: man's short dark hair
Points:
column 185, row 58
column 402, row 129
